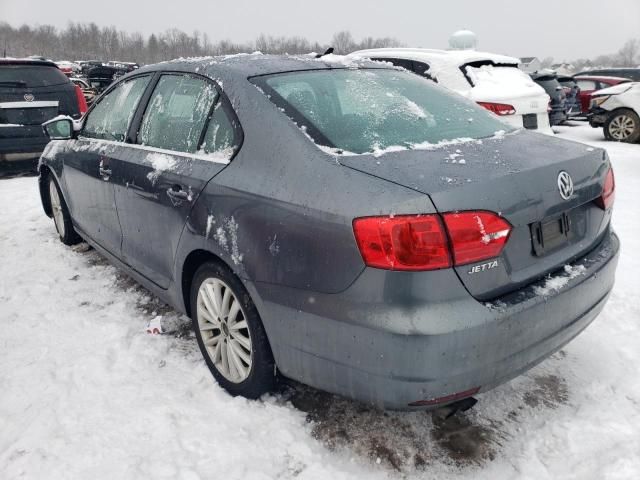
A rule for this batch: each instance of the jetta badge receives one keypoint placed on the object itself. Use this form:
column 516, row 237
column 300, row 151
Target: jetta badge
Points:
column 29, row 97
column 565, row 185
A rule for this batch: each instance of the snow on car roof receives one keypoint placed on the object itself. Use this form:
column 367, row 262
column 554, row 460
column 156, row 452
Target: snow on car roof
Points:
column 440, row 58
column 253, row 64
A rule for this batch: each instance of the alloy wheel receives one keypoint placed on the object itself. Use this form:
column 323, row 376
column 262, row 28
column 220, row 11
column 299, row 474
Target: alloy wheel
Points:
column 224, row 330
column 56, row 208
column 622, row 127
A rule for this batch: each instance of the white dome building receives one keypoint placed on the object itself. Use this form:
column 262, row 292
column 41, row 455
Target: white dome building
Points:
column 463, row 40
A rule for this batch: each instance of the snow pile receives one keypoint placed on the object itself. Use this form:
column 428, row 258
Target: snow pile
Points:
column 160, row 163
column 555, row 283
column 497, row 82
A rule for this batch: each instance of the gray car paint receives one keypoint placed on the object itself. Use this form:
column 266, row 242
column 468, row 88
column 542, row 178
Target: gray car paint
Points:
column 386, row 338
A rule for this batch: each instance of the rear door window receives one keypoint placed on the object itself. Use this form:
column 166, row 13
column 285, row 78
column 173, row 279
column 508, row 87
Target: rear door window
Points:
column 177, row 112
column 110, row 119
column 223, row 135
column 31, row 76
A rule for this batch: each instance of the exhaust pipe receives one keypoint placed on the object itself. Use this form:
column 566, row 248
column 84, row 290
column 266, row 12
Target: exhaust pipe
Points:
column 450, row 410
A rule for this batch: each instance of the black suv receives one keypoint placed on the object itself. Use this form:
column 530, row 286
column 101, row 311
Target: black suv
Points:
column 31, row 92
column 558, row 108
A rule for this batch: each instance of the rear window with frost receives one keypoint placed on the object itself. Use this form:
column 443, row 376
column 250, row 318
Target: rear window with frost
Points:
column 361, row 111
column 31, row 76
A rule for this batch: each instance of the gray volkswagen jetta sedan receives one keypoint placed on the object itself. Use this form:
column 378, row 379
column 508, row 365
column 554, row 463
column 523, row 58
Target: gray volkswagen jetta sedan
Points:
column 346, row 224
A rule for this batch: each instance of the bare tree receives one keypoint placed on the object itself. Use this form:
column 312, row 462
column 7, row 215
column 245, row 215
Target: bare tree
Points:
column 628, row 54
column 343, row 42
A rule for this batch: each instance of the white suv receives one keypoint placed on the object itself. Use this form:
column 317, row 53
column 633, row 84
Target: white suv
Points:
column 493, row 81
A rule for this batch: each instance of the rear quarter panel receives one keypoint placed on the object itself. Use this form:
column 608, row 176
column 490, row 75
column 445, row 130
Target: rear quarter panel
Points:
column 282, row 211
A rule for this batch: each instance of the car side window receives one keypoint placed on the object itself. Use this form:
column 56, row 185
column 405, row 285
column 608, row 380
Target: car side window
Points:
column 587, row 85
column 422, row 68
column 398, row 62
column 177, row 112
column 223, row 133
column 110, row 119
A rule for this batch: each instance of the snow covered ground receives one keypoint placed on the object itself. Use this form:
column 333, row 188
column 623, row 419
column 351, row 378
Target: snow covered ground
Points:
column 86, row 393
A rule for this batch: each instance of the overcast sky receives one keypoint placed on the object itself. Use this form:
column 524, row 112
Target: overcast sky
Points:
column 562, row 29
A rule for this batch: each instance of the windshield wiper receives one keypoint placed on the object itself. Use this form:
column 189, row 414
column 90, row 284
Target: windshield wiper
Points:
column 17, row 83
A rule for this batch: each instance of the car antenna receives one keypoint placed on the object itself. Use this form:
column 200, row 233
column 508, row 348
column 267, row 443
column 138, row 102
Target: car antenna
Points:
column 328, row 52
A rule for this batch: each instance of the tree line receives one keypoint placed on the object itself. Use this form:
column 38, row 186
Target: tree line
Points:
column 88, row 41
column 627, row 56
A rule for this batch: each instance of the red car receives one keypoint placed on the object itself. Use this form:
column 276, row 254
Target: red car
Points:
column 591, row 83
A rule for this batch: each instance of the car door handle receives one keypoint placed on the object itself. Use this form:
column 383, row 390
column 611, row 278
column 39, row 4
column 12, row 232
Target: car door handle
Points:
column 105, row 173
column 178, row 195
column 103, row 167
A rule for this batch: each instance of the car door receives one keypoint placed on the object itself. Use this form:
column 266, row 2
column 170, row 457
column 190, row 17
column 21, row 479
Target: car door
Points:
column 88, row 165
column 186, row 135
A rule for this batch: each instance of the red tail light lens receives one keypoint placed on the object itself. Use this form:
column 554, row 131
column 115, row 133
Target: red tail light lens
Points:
column 407, row 242
column 419, row 242
column 476, row 236
column 82, row 102
column 605, row 201
column 501, row 109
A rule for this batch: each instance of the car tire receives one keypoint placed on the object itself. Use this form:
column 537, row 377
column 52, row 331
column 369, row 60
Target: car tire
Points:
column 60, row 214
column 622, row 125
column 229, row 332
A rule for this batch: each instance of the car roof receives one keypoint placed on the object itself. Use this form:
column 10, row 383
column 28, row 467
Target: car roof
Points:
column 255, row 64
column 456, row 58
column 27, row 61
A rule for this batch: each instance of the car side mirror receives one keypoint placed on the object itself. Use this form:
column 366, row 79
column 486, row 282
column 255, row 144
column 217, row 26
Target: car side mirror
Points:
column 60, row 128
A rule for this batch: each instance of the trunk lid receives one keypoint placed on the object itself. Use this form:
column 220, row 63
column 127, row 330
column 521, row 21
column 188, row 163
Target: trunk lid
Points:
column 515, row 176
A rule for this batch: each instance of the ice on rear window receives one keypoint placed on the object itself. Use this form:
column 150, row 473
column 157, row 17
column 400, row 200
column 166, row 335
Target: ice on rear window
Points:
column 357, row 111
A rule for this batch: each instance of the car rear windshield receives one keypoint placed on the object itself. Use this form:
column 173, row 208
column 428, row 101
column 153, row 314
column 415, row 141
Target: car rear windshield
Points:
column 31, row 76
column 368, row 110
column 502, row 76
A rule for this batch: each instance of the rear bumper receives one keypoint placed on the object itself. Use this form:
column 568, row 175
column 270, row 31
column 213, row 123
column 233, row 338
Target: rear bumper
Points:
column 21, row 153
column 598, row 117
column 389, row 341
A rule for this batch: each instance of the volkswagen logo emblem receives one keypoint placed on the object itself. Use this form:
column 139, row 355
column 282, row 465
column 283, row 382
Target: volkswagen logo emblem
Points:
column 565, row 185
column 29, row 97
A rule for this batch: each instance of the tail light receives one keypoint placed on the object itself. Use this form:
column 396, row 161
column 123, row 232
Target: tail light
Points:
column 501, row 109
column 605, row 201
column 476, row 236
column 82, row 102
column 407, row 242
column 430, row 242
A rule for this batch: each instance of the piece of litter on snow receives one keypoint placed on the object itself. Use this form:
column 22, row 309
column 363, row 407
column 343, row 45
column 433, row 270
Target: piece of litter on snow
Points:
column 154, row 327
